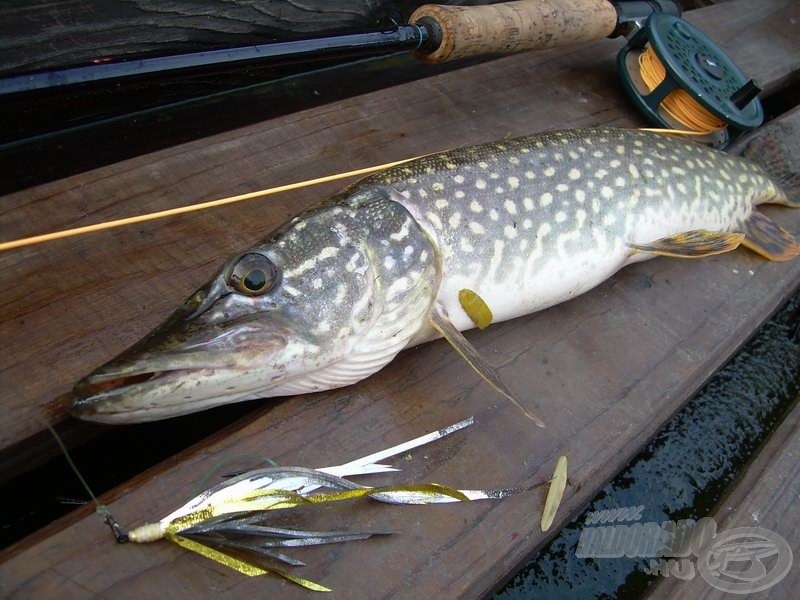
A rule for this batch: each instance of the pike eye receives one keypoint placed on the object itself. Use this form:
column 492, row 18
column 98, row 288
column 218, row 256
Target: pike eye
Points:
column 253, row 274
column 255, row 280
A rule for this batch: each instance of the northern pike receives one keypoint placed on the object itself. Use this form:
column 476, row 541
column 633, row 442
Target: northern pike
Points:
column 334, row 294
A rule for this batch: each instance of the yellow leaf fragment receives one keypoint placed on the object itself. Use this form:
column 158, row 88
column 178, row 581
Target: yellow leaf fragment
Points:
column 557, row 486
column 476, row 308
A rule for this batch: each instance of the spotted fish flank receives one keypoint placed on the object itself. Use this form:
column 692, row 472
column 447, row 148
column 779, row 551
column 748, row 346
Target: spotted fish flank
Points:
column 336, row 293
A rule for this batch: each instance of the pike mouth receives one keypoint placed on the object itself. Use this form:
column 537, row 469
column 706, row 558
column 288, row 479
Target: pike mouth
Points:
column 148, row 395
column 118, row 398
column 94, row 385
column 147, row 384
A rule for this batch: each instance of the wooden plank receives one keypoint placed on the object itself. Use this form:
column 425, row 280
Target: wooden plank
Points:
column 103, row 291
column 765, row 497
column 606, row 369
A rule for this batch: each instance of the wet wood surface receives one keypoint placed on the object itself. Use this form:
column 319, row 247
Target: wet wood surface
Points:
column 766, row 497
column 604, row 371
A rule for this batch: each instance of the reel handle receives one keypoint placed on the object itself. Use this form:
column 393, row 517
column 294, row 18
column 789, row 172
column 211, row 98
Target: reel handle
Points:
column 467, row 31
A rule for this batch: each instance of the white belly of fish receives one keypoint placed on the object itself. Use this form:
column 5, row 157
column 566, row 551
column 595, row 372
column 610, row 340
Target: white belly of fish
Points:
column 527, row 288
column 514, row 282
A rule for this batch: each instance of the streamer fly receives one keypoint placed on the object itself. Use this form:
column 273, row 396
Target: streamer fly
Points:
column 334, row 294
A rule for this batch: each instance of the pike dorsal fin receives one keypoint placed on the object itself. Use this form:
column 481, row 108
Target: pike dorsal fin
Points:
column 692, row 244
column 441, row 322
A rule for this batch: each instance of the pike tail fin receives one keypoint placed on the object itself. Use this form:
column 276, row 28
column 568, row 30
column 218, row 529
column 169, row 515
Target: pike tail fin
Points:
column 777, row 149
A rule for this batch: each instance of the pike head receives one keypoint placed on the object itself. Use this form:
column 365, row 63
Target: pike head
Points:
column 327, row 300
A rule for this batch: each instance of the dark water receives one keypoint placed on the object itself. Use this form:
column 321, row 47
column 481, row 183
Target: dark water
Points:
column 685, row 471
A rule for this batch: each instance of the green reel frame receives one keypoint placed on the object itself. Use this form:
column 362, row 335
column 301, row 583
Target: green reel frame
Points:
column 694, row 63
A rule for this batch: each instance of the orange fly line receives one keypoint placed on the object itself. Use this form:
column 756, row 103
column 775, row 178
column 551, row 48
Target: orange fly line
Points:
column 46, row 237
column 678, row 103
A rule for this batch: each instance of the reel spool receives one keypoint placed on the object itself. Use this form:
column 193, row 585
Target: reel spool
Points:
column 680, row 79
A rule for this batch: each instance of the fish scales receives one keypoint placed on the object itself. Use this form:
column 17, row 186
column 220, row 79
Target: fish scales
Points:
column 530, row 222
column 337, row 292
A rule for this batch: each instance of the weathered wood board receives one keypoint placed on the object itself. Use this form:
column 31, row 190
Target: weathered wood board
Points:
column 604, row 371
column 103, row 291
column 765, row 497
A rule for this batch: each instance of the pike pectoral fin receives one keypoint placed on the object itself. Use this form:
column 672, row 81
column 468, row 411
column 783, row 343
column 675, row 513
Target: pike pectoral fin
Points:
column 692, row 244
column 455, row 338
column 769, row 239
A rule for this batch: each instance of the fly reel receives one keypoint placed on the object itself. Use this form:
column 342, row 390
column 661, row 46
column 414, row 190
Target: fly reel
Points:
column 680, row 79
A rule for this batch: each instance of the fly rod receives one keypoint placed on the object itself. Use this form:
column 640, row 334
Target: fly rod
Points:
column 435, row 33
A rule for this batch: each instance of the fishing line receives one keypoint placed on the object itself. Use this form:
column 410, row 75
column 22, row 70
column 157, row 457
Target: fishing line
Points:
column 100, row 509
column 229, row 459
column 678, row 103
column 38, row 239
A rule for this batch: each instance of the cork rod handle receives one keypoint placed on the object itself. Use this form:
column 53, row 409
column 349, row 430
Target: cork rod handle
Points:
column 515, row 26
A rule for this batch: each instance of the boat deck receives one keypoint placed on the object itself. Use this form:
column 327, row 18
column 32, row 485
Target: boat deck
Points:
column 604, row 371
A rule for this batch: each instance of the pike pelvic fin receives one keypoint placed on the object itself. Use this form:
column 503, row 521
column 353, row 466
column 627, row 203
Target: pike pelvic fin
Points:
column 697, row 243
column 441, row 322
column 769, row 239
